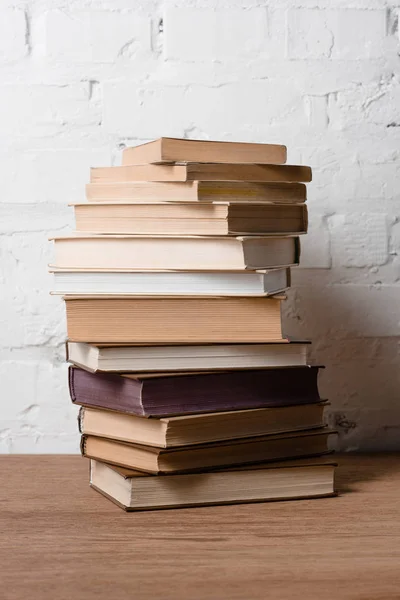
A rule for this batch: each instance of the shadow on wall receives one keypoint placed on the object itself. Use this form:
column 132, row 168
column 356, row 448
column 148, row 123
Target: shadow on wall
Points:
column 353, row 330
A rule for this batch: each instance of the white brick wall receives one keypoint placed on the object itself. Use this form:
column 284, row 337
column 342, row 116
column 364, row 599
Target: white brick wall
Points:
column 80, row 80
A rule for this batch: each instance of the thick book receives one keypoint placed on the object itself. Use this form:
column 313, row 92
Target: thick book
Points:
column 171, row 283
column 197, row 191
column 218, row 218
column 178, row 253
column 189, row 430
column 197, row 393
column 150, row 360
column 203, row 172
column 135, row 490
column 165, row 150
column 151, row 320
column 301, row 444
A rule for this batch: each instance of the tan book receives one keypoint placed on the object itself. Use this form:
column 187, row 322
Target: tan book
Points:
column 187, row 430
column 166, row 150
column 202, row 172
column 207, row 456
column 141, row 320
column 196, row 191
column 191, row 219
column 141, row 360
column 182, row 253
column 288, row 480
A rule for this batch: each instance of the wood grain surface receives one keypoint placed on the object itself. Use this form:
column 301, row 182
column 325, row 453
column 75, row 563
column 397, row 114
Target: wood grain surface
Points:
column 61, row 540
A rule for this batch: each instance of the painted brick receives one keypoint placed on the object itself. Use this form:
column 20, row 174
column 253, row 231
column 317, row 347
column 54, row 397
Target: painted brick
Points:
column 98, row 36
column 193, row 34
column 336, row 34
column 45, row 109
column 13, row 35
column 359, row 240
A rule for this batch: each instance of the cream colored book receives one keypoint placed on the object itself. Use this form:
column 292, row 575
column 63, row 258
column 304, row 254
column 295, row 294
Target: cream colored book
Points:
column 183, row 253
column 288, row 480
column 141, row 360
column 191, row 219
column 182, row 150
column 187, row 430
column 202, row 172
column 141, row 320
column 196, row 191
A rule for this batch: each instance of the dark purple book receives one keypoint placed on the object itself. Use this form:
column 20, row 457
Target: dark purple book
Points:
column 195, row 393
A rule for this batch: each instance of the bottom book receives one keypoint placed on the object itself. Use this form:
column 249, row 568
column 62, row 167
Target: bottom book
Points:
column 291, row 480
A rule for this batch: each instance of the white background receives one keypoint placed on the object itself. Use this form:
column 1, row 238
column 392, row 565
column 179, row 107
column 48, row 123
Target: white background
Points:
column 78, row 80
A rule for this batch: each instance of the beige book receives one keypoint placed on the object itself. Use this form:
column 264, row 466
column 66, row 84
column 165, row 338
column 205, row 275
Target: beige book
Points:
column 141, row 320
column 181, row 150
column 186, row 430
column 140, row 360
column 191, row 219
column 202, row 172
column 284, row 446
column 288, row 480
column 182, row 253
column 196, row 191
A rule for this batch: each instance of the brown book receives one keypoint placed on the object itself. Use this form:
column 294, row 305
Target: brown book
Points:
column 178, row 253
column 191, row 429
column 196, row 191
column 166, row 150
column 202, row 172
column 141, row 320
column 207, row 456
column 191, row 219
column 287, row 480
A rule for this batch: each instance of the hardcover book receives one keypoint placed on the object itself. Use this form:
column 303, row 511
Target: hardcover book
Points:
column 217, row 218
column 190, row 430
column 197, row 191
column 151, row 320
column 135, row 490
column 151, row 360
column 197, row 393
column 284, row 446
column 170, row 283
column 178, row 253
column 203, row 172
column 177, row 150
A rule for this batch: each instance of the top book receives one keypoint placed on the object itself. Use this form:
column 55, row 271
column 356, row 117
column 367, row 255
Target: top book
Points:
column 170, row 150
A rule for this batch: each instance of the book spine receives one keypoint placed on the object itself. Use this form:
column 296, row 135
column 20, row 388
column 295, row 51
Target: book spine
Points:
column 81, row 415
column 83, row 445
column 71, row 385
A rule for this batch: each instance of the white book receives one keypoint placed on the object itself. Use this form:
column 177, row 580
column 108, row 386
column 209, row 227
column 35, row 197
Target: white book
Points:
column 171, row 283
column 178, row 358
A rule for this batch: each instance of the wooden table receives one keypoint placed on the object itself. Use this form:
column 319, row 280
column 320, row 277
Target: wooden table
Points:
column 61, row 540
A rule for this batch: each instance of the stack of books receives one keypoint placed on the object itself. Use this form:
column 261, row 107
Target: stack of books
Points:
column 190, row 393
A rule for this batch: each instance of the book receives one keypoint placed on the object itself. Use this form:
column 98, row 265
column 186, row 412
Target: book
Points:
column 220, row 218
column 283, row 446
column 189, row 430
column 182, row 150
column 135, row 490
column 142, row 360
column 197, row 191
column 203, row 172
column 171, row 283
column 163, row 395
column 150, row 320
column 148, row 253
